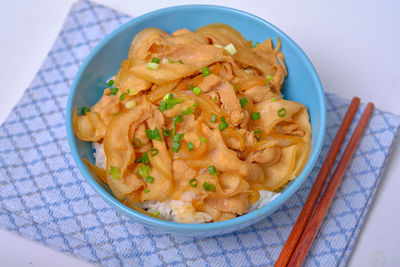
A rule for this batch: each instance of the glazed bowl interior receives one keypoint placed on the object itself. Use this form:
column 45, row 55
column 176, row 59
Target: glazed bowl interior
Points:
column 301, row 85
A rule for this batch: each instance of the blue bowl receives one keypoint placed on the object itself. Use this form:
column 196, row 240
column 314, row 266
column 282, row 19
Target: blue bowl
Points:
column 302, row 85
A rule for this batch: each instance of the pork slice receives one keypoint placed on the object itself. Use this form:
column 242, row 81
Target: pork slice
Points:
column 140, row 133
column 230, row 102
column 227, row 96
column 293, row 129
column 127, row 80
column 162, row 167
column 232, row 143
column 238, row 204
column 210, row 83
column 225, row 159
column 226, row 71
column 196, row 54
column 182, row 174
column 257, row 93
column 106, row 108
column 267, row 156
column 248, row 137
column 180, row 31
column 225, row 216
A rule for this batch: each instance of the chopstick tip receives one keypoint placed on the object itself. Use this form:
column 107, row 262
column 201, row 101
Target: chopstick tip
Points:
column 370, row 105
column 355, row 101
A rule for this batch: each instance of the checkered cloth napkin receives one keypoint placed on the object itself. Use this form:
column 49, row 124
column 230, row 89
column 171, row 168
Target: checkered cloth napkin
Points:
column 44, row 197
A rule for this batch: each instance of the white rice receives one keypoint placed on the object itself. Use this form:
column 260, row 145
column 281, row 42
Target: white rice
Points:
column 180, row 210
column 164, row 208
column 265, row 198
column 99, row 155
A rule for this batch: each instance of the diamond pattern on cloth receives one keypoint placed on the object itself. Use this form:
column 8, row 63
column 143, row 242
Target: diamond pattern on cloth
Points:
column 44, row 197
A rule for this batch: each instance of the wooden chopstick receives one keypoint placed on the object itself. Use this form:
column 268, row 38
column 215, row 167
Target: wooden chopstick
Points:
column 317, row 217
column 319, row 183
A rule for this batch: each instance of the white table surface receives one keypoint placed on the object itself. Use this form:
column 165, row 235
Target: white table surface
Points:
column 355, row 48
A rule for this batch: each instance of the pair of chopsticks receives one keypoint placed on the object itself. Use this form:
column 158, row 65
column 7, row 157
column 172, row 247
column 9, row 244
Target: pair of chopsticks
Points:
column 309, row 221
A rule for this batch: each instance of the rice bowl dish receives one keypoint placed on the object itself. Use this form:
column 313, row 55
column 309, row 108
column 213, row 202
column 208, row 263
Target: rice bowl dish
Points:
column 193, row 128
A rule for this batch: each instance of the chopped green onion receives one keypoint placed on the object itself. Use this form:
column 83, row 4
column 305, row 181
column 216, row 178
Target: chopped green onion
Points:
column 255, row 116
column 218, row 46
column 176, row 146
column 143, row 159
column 166, row 132
column 197, row 90
column 169, row 102
column 205, row 71
column 215, row 98
column 130, row 104
column 153, row 152
column 258, row 134
column 282, row 112
column 132, row 91
column 155, row 60
column 154, row 212
column 230, row 48
column 223, row 125
column 113, row 91
column 156, row 135
column 110, row 82
column 235, row 87
column 121, row 98
column 188, row 111
column 114, row 172
column 149, row 179
column 191, row 87
column 193, row 182
column 170, row 61
column 153, row 134
column 163, row 106
column 212, row 170
column 273, row 99
column 146, row 191
column 243, row 102
column 152, row 66
column 84, row 110
column 202, row 139
column 136, row 142
column 115, row 114
column 149, row 134
column 178, row 138
column 168, row 96
column 190, row 146
column 144, row 171
column 179, row 118
column 173, row 127
column 213, row 118
column 209, row 187
column 195, row 104
column 180, row 61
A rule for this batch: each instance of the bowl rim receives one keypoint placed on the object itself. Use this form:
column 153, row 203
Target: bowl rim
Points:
column 253, row 216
